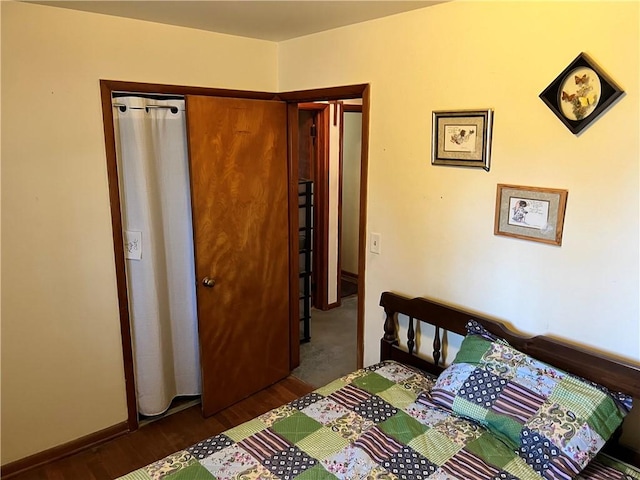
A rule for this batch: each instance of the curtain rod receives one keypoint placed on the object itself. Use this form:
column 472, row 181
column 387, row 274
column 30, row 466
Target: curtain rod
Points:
column 123, row 107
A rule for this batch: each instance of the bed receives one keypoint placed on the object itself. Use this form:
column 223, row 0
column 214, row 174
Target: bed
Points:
column 507, row 407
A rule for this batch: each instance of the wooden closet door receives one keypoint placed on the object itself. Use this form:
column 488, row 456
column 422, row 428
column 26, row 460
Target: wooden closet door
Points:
column 239, row 190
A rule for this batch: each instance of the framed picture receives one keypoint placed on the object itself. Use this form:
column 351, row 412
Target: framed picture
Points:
column 580, row 94
column 530, row 213
column 462, row 138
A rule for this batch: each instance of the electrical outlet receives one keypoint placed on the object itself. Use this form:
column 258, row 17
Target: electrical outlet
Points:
column 375, row 243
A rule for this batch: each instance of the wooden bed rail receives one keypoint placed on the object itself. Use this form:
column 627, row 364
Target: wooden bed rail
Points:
column 613, row 373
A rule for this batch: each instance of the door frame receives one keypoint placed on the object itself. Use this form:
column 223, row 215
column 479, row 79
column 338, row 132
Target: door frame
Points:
column 320, row 270
column 107, row 87
column 344, row 108
column 321, row 165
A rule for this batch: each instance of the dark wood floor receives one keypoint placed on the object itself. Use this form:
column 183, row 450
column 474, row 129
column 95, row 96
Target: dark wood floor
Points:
column 163, row 437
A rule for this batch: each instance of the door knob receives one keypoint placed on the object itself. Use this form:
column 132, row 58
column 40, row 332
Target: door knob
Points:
column 208, row 282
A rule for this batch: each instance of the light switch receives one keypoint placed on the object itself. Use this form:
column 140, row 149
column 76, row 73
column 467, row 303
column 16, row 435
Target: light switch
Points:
column 375, row 243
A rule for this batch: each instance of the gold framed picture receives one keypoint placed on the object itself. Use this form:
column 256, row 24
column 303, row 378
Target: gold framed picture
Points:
column 530, row 213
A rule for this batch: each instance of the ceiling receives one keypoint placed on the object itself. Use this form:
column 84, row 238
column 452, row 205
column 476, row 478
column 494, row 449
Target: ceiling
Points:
column 267, row 20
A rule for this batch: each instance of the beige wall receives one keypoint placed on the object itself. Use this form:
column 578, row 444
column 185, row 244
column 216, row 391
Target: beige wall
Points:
column 333, row 177
column 436, row 223
column 62, row 374
column 351, row 152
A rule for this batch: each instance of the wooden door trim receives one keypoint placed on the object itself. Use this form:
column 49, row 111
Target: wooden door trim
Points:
column 339, row 105
column 321, row 219
column 321, row 204
column 345, row 92
column 106, row 88
column 362, row 91
column 344, row 108
column 294, row 244
column 362, row 236
column 312, row 106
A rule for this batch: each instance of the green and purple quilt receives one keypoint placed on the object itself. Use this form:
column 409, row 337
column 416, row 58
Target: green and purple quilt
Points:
column 376, row 423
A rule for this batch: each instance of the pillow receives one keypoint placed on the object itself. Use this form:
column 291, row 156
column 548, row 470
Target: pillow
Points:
column 557, row 422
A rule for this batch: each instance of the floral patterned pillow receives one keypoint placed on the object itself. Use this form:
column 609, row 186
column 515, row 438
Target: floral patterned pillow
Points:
column 556, row 421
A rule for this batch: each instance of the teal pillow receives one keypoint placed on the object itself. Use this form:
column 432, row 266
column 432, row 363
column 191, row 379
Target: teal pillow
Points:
column 557, row 422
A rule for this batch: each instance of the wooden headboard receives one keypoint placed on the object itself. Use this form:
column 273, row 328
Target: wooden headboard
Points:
column 614, row 374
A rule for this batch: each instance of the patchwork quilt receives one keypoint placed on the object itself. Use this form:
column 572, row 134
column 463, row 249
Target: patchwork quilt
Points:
column 556, row 421
column 376, row 423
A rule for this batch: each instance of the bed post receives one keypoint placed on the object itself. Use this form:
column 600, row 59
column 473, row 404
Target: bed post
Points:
column 436, row 347
column 390, row 338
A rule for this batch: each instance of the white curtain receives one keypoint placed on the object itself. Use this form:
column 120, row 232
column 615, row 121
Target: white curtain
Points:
column 156, row 210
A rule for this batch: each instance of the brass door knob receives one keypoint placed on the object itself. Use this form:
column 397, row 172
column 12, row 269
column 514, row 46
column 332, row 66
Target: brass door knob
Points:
column 208, row 282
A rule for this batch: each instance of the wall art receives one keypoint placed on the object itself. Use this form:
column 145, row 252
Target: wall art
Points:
column 580, row 94
column 530, row 213
column 462, row 138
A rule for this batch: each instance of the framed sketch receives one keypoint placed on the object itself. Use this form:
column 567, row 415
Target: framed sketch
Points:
column 580, row 93
column 530, row 213
column 462, row 138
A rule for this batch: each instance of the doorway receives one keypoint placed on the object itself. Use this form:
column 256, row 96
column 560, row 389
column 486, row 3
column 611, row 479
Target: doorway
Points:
column 292, row 99
column 156, row 215
column 329, row 148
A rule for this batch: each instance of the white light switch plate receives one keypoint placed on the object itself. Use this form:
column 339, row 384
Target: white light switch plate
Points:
column 375, row 243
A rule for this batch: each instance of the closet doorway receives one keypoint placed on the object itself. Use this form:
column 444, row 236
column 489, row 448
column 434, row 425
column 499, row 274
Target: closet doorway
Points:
column 152, row 160
column 217, row 332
